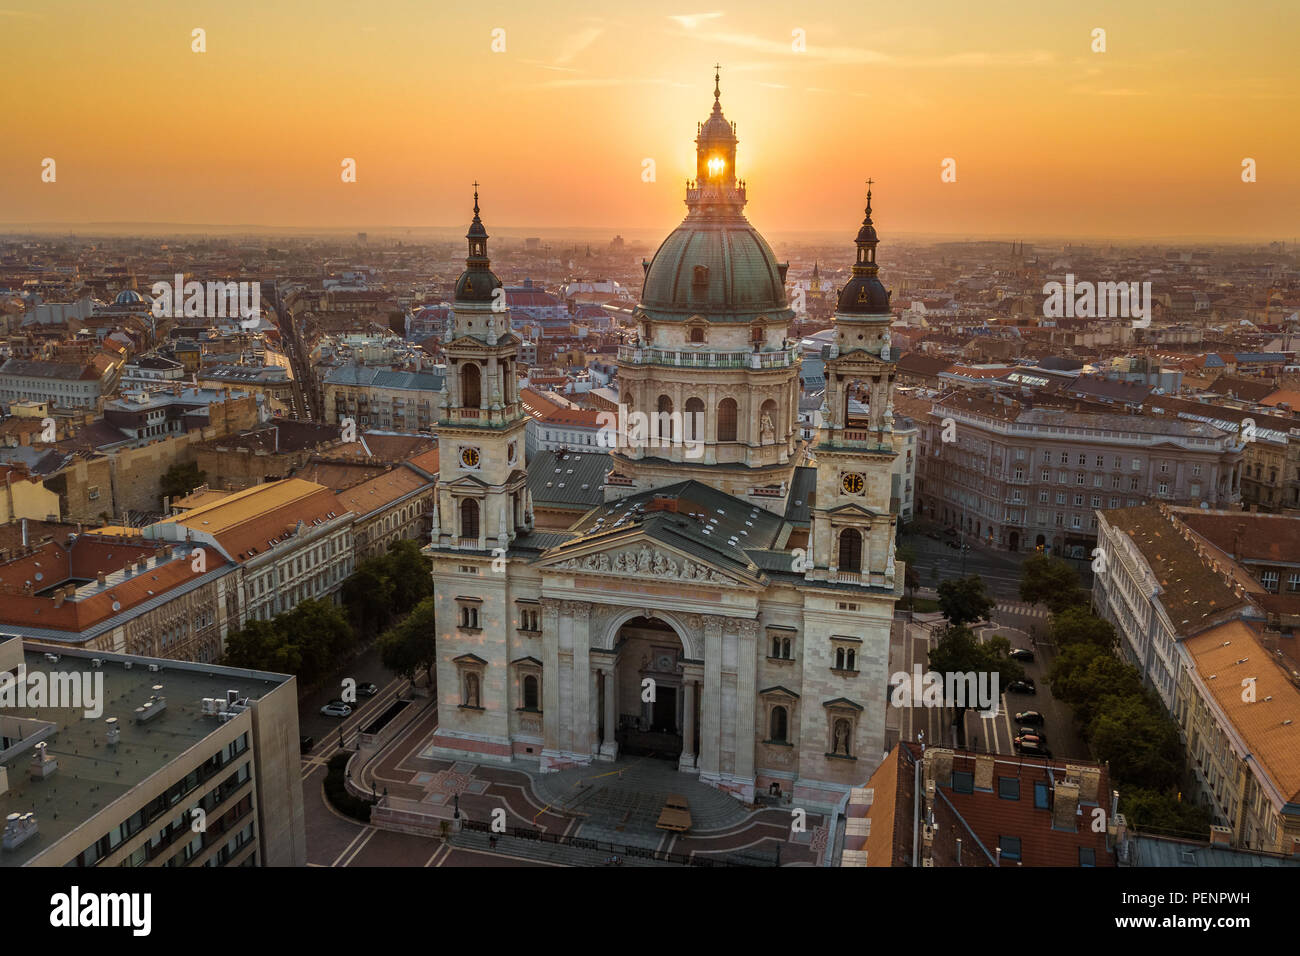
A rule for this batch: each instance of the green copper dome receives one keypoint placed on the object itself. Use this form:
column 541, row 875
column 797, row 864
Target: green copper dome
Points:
column 721, row 269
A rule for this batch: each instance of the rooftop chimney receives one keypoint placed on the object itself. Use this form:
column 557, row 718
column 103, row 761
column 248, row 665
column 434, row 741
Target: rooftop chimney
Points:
column 1220, row 836
column 101, row 578
column 984, row 772
column 1065, row 806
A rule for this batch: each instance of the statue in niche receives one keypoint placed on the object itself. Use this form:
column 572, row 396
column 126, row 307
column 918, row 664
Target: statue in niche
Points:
column 842, row 737
column 766, row 430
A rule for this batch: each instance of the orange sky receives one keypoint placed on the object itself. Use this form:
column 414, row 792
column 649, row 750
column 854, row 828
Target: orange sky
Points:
column 1049, row 138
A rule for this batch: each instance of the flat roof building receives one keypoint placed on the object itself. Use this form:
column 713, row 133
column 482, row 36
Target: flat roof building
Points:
column 162, row 763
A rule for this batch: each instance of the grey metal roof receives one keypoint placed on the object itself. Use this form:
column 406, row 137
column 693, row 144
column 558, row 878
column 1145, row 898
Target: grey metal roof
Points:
column 573, row 479
column 798, row 506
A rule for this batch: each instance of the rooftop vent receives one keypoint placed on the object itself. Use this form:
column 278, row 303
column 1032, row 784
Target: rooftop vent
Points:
column 19, row 828
column 43, row 762
column 114, row 733
column 150, row 709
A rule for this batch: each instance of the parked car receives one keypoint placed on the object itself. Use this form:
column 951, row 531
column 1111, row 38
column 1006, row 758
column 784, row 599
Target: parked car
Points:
column 1023, row 732
column 1020, row 654
column 336, row 709
column 305, row 744
column 1032, row 747
column 1029, row 717
column 367, row 690
column 1025, row 686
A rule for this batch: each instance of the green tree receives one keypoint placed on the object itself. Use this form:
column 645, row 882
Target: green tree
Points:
column 1138, row 741
column 368, row 596
column 320, row 633
column 411, row 646
column 1078, row 625
column 180, row 479
column 411, row 574
column 1164, row 811
column 963, row 600
column 960, row 652
column 1051, row 581
column 262, row 646
column 911, row 575
column 1083, row 674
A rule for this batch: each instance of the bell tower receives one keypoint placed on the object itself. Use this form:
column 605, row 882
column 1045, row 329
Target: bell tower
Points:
column 482, row 494
column 855, row 517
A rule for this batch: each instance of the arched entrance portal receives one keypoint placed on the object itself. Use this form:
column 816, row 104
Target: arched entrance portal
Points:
column 649, row 690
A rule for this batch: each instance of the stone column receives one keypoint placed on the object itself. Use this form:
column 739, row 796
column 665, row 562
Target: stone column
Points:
column 711, row 697
column 687, row 760
column 550, row 677
column 746, row 694
column 609, row 746
column 583, row 730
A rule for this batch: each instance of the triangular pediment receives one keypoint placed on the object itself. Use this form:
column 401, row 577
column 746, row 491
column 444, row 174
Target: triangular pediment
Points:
column 852, row 510
column 470, row 481
column 634, row 554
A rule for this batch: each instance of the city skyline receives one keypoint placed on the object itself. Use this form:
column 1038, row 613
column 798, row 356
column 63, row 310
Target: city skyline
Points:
column 559, row 128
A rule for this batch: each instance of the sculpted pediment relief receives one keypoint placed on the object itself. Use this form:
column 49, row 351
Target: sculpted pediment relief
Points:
column 644, row 561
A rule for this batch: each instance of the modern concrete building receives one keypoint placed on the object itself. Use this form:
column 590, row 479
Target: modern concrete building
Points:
column 185, row 764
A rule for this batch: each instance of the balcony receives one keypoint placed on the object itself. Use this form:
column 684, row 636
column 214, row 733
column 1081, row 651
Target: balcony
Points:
column 692, row 358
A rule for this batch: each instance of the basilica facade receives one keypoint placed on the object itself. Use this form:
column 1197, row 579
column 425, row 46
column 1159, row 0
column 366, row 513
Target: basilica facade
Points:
column 727, row 605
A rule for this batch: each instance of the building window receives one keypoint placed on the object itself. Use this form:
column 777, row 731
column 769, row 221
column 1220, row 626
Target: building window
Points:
column 845, row 659
column 778, row 726
column 1269, row 580
column 727, row 420
column 1087, row 856
column 530, row 693
column 1010, row 847
column 850, row 556
column 1040, row 795
column 963, row 781
column 468, row 518
column 469, row 385
column 1009, row 788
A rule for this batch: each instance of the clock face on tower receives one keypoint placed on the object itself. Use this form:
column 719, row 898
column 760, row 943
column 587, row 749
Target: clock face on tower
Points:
column 469, row 457
column 853, row 483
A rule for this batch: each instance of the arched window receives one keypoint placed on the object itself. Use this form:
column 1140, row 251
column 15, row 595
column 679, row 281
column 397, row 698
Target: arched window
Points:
column 756, row 334
column 663, row 423
column 785, row 648
column 850, row 558
column 470, row 392
column 693, row 423
column 530, row 692
column 776, row 647
column 468, row 518
column 727, row 420
column 779, row 725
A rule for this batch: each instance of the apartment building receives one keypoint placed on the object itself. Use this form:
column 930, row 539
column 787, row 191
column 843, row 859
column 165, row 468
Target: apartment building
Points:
column 62, row 384
column 393, row 506
column 1161, row 586
column 291, row 540
column 1028, row 479
column 1238, row 705
column 114, row 590
column 175, row 743
column 381, row 398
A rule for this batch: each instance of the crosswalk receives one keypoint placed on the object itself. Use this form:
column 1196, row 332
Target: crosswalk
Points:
column 1022, row 609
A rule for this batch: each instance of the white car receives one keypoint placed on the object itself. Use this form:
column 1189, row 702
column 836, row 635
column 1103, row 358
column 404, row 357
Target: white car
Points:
column 336, row 710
